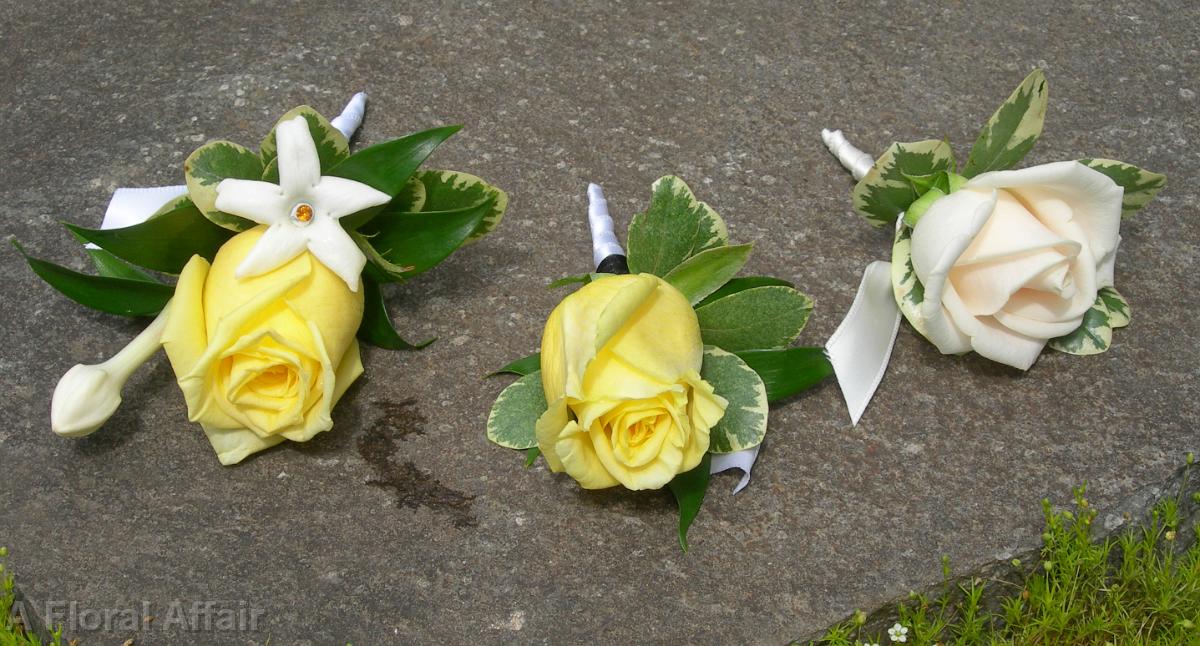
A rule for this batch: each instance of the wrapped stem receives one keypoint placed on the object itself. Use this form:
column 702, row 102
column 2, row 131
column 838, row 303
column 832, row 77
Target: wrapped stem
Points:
column 607, row 253
column 854, row 160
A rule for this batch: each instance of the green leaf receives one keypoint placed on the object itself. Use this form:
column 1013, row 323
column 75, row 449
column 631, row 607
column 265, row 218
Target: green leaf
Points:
column 515, row 414
column 165, row 242
column 1012, row 130
column 1118, row 309
column 676, row 227
column 756, row 318
column 705, row 272
column 740, row 285
column 211, row 163
column 745, row 421
column 909, row 291
column 378, row 268
column 112, row 266
column 418, row 241
column 581, row 279
column 522, row 366
column 886, row 190
column 787, row 371
column 332, row 147
column 388, row 166
column 531, row 455
column 1094, row 335
column 689, row 489
column 410, row 199
column 447, row 190
column 271, row 171
column 376, row 327
column 1140, row 185
column 122, row 296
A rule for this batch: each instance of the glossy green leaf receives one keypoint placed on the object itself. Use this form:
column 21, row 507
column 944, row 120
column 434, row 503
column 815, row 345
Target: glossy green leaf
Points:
column 378, row 268
column 522, row 366
column 211, row 163
column 886, row 190
column 1140, row 185
column 689, row 489
column 1011, row 132
column 674, row 228
column 112, row 266
column 787, row 371
column 705, row 272
column 376, row 327
column 165, row 242
column 421, row 240
column 332, row 147
column 388, row 166
column 756, row 318
column 411, row 197
column 514, row 416
column 122, row 296
column 447, row 190
column 531, row 455
column 745, row 421
column 736, row 285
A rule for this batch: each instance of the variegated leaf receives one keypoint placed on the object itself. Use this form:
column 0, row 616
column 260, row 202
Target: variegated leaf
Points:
column 515, row 414
column 886, row 190
column 448, row 190
column 1093, row 336
column 1118, row 309
column 211, row 163
column 745, row 421
column 1012, row 130
column 754, row 319
column 675, row 227
column 332, row 147
column 411, row 198
column 1140, row 185
column 909, row 291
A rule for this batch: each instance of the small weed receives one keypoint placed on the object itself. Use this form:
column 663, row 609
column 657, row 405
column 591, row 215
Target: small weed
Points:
column 1136, row 588
column 12, row 631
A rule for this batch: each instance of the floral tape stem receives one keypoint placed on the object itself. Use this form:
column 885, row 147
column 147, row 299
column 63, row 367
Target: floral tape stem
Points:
column 352, row 116
column 853, row 159
column 87, row 395
column 607, row 253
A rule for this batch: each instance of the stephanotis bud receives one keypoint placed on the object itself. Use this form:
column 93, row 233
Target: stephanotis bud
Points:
column 87, row 395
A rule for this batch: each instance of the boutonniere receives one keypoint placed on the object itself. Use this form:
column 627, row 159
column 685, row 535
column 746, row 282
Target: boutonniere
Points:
column 991, row 260
column 280, row 256
column 658, row 370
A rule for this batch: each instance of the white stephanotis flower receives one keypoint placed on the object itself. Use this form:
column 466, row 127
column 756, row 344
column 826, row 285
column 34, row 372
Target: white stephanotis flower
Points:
column 302, row 211
column 898, row 633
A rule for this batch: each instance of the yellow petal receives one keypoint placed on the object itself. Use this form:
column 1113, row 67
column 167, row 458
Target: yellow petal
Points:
column 547, row 429
column 580, row 460
column 233, row 445
column 184, row 337
column 348, row 370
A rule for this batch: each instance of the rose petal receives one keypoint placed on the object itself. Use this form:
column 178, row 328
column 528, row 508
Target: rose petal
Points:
column 1013, row 230
column 1094, row 199
column 986, row 286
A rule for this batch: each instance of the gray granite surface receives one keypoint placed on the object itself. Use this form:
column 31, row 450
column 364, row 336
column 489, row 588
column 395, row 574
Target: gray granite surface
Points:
column 405, row 523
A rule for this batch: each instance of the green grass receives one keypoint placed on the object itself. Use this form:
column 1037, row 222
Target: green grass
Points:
column 12, row 633
column 1135, row 588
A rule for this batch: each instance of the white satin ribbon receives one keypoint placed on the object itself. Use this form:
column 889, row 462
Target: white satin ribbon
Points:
column 862, row 344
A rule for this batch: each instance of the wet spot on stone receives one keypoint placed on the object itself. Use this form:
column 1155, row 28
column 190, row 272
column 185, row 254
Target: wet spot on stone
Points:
column 411, row 486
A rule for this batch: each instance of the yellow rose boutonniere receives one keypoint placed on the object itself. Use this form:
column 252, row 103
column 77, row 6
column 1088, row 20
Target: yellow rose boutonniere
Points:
column 621, row 362
column 658, row 370
column 281, row 255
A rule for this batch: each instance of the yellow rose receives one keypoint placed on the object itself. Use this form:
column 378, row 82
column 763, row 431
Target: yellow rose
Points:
column 621, row 371
column 264, row 358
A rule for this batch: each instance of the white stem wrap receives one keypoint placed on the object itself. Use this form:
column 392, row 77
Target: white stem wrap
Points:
column 853, row 159
column 604, row 240
column 352, row 116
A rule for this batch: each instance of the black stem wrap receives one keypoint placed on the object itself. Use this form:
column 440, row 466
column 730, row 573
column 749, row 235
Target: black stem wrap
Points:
column 614, row 264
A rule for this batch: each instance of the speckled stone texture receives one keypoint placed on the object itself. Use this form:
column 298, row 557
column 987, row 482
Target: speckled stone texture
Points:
column 404, row 523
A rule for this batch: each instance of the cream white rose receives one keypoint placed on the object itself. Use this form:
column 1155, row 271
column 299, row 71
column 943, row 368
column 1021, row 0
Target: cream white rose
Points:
column 1015, row 258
